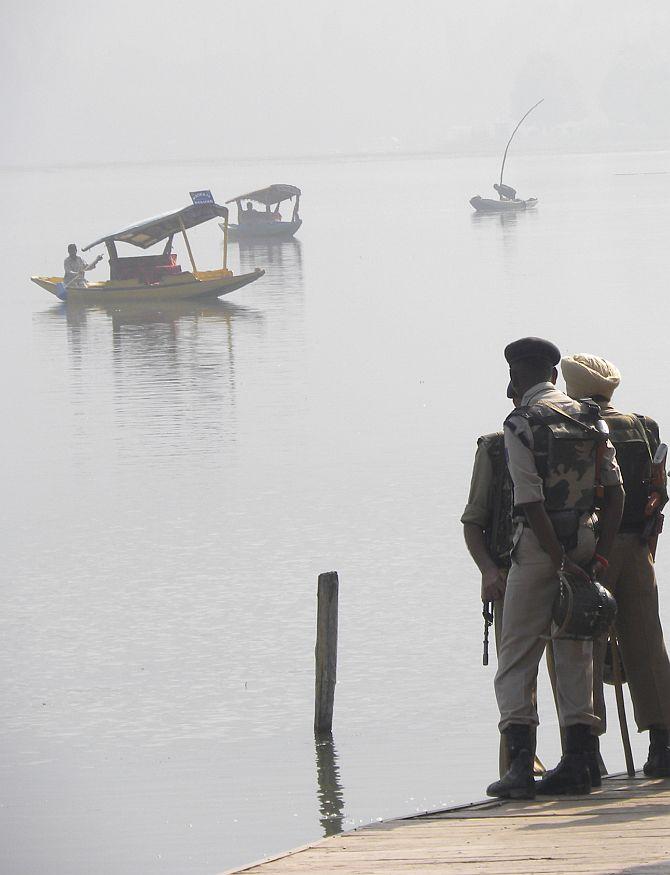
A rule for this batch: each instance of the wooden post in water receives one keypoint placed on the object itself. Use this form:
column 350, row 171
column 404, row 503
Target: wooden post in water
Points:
column 326, row 651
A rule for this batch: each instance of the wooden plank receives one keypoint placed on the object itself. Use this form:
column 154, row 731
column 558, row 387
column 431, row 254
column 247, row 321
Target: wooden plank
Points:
column 625, row 827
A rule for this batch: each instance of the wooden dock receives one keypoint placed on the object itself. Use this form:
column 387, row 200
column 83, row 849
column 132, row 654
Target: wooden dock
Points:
column 624, row 827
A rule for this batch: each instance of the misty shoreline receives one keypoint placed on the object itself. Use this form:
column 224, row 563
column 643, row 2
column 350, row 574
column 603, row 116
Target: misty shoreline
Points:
column 341, row 158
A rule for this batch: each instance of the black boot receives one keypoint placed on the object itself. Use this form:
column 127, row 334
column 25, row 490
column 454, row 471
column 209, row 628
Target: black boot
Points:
column 571, row 777
column 518, row 783
column 593, row 756
column 658, row 761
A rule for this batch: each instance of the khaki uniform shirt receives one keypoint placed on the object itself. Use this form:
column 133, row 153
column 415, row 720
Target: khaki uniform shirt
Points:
column 519, row 450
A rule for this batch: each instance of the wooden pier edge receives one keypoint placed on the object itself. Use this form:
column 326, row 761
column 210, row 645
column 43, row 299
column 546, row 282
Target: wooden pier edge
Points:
column 629, row 804
column 317, row 842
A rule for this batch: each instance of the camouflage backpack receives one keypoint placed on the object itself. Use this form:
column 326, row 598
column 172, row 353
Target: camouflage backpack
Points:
column 566, row 436
column 635, row 440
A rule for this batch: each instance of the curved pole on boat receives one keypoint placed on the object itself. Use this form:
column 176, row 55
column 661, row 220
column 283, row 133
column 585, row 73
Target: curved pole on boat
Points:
column 514, row 132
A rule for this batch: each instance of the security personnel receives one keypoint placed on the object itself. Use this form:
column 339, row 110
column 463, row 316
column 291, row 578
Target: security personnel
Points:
column 551, row 445
column 487, row 528
column 630, row 575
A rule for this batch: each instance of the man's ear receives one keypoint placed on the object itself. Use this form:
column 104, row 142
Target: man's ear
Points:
column 554, row 376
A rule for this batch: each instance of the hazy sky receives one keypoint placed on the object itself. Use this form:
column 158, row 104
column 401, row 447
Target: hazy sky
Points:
column 86, row 81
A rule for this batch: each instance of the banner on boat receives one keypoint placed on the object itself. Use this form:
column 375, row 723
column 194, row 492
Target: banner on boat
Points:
column 202, row 197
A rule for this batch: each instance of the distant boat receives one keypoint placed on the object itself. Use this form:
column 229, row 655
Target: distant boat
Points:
column 490, row 205
column 508, row 202
column 155, row 277
column 253, row 224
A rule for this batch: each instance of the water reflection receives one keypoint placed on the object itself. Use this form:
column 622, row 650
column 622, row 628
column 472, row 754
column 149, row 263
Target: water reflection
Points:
column 508, row 219
column 331, row 801
column 171, row 366
column 168, row 375
column 281, row 260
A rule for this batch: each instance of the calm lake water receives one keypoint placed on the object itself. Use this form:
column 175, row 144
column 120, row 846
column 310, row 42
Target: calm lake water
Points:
column 175, row 479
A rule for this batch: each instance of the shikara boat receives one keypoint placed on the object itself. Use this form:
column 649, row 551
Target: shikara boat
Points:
column 267, row 224
column 489, row 205
column 156, row 277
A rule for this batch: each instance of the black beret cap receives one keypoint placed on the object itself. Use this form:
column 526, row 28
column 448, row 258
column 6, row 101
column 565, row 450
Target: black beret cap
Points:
column 532, row 347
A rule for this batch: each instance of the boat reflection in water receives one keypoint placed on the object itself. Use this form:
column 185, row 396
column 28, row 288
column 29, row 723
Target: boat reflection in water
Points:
column 282, row 261
column 504, row 219
column 331, row 801
column 165, row 372
column 169, row 374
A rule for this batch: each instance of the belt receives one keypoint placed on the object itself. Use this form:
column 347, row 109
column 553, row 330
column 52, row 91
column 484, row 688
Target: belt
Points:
column 565, row 524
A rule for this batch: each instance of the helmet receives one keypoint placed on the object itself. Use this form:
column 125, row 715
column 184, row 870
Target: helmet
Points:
column 582, row 609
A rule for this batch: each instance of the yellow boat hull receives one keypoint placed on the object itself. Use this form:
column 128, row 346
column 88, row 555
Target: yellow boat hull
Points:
column 182, row 286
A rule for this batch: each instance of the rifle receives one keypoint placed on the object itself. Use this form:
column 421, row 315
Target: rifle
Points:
column 487, row 614
column 658, row 498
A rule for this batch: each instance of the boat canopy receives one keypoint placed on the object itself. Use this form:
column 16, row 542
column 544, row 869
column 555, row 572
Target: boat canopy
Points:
column 273, row 194
column 145, row 234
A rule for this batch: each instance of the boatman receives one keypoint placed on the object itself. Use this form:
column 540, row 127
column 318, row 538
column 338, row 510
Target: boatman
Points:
column 506, row 192
column 630, row 576
column 554, row 500
column 74, row 267
column 487, row 528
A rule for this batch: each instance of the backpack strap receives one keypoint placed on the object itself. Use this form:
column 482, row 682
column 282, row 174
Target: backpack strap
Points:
column 641, row 427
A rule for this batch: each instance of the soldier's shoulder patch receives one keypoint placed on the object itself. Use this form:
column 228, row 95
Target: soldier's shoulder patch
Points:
column 517, row 424
column 516, row 418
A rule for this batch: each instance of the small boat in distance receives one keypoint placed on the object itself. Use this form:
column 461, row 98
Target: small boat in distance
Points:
column 265, row 224
column 156, row 277
column 489, row 205
column 508, row 201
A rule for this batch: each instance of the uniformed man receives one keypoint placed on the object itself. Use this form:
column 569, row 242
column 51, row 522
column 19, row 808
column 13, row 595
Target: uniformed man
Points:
column 630, row 575
column 487, row 528
column 554, row 485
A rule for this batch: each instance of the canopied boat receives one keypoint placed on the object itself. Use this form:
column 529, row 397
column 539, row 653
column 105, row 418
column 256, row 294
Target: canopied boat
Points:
column 159, row 277
column 268, row 223
column 489, row 205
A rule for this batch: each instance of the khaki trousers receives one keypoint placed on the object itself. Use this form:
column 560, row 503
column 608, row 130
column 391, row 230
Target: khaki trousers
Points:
column 504, row 761
column 631, row 579
column 532, row 586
